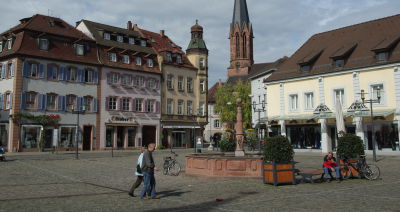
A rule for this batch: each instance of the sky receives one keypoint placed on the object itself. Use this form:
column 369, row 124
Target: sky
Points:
column 280, row 26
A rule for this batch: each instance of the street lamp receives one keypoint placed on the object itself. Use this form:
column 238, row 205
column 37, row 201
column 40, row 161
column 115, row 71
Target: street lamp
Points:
column 261, row 103
column 77, row 111
column 371, row 101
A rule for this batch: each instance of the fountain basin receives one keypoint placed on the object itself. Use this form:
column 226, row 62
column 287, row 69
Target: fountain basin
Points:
column 224, row 165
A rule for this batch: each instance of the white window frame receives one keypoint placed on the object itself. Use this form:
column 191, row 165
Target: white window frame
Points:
column 120, row 38
column 179, row 58
column 170, row 81
column 34, row 69
column 8, row 101
column 372, row 95
column 343, row 97
column 169, row 56
column 112, row 103
column 170, row 106
column 113, row 78
column 126, row 59
column 107, row 36
column 151, row 83
column 80, row 50
column 309, row 105
column 217, row 123
column 44, row 44
column 88, row 102
column 202, row 109
column 202, row 86
column 126, row 80
column 189, row 84
column 293, row 105
column 181, row 83
column 131, row 40
column 126, row 104
column 139, row 81
column 181, row 105
column 9, row 43
column 150, row 63
column 202, row 63
column 1, row 46
column 113, row 57
column 143, row 43
column 189, row 108
column 31, row 97
column 150, row 106
column 51, row 102
column 139, row 105
column 138, row 61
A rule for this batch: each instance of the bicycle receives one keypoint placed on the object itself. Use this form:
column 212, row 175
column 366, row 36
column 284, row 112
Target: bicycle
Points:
column 171, row 167
column 369, row 171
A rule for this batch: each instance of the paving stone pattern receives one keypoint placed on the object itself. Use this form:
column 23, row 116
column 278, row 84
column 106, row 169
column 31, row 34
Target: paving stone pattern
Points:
column 98, row 182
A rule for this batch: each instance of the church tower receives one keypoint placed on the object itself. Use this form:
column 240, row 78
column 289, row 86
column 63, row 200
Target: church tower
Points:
column 241, row 41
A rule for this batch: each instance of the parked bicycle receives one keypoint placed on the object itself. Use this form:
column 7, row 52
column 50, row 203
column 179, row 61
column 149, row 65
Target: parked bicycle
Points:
column 369, row 171
column 171, row 167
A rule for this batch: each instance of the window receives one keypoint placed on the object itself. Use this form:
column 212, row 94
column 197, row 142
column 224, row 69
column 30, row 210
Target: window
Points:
column 71, row 102
column 138, row 61
column 305, row 68
column 189, row 84
column 143, row 43
column 106, row 36
column 139, row 81
column 217, row 124
column 52, row 72
column 202, row 86
column 10, row 69
column 8, row 101
column 89, row 76
column 180, row 83
column 293, row 102
column 169, row 56
column 202, row 63
column 309, row 101
column 126, row 80
column 109, row 136
column 125, row 59
column 51, row 102
column 339, row 63
column 34, row 70
column 150, row 63
column 201, row 110
column 120, row 38
column 189, row 108
column 170, row 106
column 80, row 49
column 244, row 46
column 170, row 81
column 151, row 83
column 30, row 137
column 43, row 44
column 180, row 107
column 131, row 40
column 114, row 78
column 382, row 56
column 113, row 57
column 179, row 58
column 31, row 100
column 374, row 91
column 339, row 93
column 139, row 105
column 237, row 45
column 125, row 104
column 72, row 73
column 67, row 136
column 88, row 102
column 150, row 106
column 9, row 43
column 112, row 103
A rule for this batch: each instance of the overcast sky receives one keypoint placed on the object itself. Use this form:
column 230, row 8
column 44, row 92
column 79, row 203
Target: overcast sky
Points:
column 280, row 26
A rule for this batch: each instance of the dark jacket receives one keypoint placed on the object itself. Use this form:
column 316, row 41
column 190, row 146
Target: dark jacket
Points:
column 148, row 162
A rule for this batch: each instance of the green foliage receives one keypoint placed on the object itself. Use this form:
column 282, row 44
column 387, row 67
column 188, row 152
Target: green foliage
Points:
column 278, row 149
column 225, row 95
column 251, row 138
column 228, row 143
column 44, row 120
column 161, row 147
column 350, row 146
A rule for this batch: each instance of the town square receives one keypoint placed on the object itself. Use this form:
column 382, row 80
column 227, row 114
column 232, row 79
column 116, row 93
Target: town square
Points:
column 199, row 105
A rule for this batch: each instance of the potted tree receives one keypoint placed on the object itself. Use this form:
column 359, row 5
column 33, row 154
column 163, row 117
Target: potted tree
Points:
column 350, row 147
column 278, row 165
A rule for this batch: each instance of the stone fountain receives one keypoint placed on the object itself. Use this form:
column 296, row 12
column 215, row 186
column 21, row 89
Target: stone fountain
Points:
column 238, row 164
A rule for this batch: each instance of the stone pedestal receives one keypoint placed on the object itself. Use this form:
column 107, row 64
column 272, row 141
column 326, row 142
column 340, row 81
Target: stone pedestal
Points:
column 239, row 130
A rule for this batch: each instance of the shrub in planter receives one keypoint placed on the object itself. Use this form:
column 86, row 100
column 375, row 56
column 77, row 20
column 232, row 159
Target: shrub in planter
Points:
column 228, row 143
column 350, row 147
column 161, row 147
column 278, row 161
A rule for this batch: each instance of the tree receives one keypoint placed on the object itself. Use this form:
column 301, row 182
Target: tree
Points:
column 228, row 111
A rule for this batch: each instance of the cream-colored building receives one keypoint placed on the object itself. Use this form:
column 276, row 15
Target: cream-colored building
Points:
column 302, row 93
column 184, row 88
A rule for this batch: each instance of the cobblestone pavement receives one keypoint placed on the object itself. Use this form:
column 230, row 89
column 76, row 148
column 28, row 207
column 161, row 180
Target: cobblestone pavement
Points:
column 97, row 182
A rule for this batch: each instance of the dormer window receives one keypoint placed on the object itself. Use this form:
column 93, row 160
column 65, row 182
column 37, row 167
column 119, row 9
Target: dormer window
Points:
column 143, row 43
column 382, row 56
column 150, row 63
column 131, row 40
column 120, row 39
column 169, row 56
column 339, row 63
column 305, row 68
column 80, row 49
column 138, row 61
column 178, row 58
column 9, row 43
column 43, row 44
column 113, row 57
column 106, row 36
column 125, row 59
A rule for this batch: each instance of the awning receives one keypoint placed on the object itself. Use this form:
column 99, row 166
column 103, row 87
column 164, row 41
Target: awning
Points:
column 367, row 113
column 122, row 125
column 181, row 127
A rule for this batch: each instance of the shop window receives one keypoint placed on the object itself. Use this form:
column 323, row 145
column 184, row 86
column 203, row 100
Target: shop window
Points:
column 131, row 136
column 67, row 137
column 109, row 136
column 30, row 137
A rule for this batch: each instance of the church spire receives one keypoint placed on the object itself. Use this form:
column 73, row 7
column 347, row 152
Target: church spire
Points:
column 240, row 14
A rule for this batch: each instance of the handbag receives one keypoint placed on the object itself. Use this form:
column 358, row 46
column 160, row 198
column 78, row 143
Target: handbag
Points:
column 139, row 169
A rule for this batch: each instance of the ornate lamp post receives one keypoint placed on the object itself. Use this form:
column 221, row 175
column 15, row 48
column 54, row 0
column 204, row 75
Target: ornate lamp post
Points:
column 371, row 101
column 77, row 111
column 259, row 110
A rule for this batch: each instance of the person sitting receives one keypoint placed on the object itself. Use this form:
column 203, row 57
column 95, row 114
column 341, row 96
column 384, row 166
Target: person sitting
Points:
column 2, row 152
column 330, row 165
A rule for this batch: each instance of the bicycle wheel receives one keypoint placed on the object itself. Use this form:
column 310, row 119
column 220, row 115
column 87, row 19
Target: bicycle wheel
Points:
column 345, row 171
column 371, row 172
column 174, row 169
column 165, row 167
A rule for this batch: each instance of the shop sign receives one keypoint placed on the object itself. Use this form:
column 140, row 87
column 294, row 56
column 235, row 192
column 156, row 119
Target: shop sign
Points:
column 121, row 119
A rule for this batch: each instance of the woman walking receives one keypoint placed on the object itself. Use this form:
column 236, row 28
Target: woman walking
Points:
column 138, row 173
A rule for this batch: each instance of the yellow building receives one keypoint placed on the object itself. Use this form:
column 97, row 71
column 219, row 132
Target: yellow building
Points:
column 339, row 64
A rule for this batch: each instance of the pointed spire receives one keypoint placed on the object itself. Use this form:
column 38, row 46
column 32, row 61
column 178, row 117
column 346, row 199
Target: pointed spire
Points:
column 240, row 13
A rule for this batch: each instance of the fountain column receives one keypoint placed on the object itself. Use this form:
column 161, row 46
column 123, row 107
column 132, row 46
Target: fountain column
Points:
column 239, row 129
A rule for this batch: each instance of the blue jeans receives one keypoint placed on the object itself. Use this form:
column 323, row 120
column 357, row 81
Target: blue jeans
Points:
column 149, row 184
column 337, row 172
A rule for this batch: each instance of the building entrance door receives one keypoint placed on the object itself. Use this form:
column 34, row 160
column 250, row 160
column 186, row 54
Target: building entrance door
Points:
column 149, row 135
column 87, row 138
column 48, row 138
column 178, row 139
column 120, row 137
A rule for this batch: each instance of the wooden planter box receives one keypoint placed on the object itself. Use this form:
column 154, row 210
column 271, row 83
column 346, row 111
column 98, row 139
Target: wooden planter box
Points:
column 354, row 172
column 275, row 173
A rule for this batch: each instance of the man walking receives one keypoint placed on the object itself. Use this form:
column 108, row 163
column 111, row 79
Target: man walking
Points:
column 148, row 167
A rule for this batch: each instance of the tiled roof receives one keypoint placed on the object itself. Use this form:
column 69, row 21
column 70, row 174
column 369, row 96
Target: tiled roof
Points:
column 163, row 44
column 212, row 92
column 357, row 44
column 97, row 29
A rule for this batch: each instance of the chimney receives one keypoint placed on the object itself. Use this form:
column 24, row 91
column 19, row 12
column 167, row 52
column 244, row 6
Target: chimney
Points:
column 219, row 82
column 129, row 25
column 162, row 33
